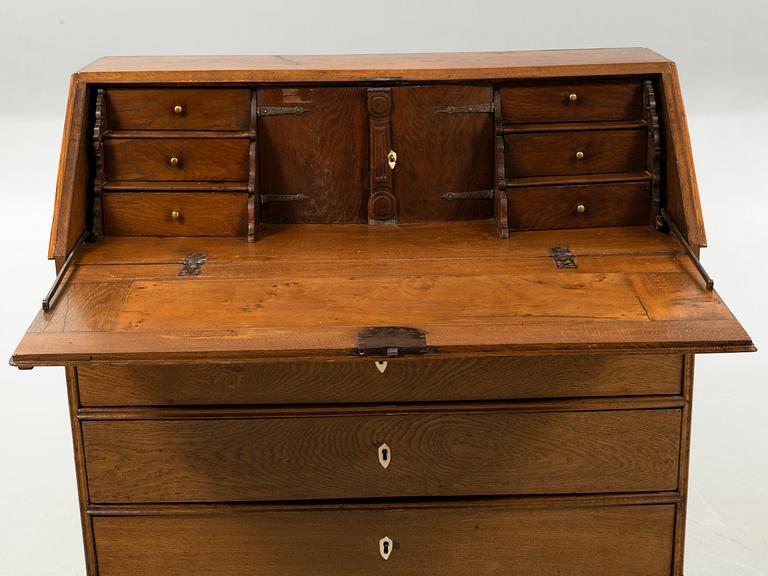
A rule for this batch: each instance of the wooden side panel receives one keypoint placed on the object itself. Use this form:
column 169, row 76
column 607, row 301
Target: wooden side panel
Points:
column 322, row 154
column 429, row 454
column 405, row 380
column 69, row 218
column 441, row 152
column 484, row 541
column 682, row 192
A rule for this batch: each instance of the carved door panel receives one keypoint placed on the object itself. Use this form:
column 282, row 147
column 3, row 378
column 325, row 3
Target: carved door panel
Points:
column 443, row 137
column 313, row 154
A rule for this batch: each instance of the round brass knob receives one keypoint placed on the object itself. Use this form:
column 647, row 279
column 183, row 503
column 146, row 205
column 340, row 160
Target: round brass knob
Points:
column 178, row 109
column 175, row 214
column 573, row 97
column 580, row 208
column 174, row 161
column 579, row 155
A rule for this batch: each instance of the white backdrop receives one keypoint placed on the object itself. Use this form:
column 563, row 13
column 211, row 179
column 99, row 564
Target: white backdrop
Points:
column 720, row 49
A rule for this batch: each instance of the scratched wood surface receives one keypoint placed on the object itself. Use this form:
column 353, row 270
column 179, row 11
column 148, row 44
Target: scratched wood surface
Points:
column 301, row 290
column 431, row 540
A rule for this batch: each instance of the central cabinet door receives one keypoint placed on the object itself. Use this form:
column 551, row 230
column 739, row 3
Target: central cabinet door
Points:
column 443, row 137
column 320, row 153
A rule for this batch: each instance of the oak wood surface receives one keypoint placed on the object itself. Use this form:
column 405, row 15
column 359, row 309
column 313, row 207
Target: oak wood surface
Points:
column 201, row 109
column 322, row 154
column 554, row 153
column 402, row 380
column 441, row 152
column 198, row 159
column 605, row 541
column 199, row 214
column 596, row 100
column 545, row 207
column 314, row 307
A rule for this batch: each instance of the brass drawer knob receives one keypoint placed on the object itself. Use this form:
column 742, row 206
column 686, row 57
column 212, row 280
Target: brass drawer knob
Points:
column 573, row 97
column 579, row 155
column 174, row 161
column 580, row 208
column 178, row 109
column 175, row 214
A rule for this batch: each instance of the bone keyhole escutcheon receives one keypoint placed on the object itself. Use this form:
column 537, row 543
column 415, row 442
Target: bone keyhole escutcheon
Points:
column 385, row 456
column 385, row 547
column 381, row 366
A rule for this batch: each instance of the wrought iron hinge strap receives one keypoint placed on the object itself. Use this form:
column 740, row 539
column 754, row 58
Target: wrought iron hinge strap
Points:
column 192, row 265
column 562, row 256
column 64, row 267
column 474, row 195
column 709, row 283
column 485, row 107
column 281, row 110
column 282, row 198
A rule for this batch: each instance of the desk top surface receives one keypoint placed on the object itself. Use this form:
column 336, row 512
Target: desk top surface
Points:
column 304, row 291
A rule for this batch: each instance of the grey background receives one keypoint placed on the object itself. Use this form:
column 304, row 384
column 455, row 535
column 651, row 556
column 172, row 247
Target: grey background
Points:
column 721, row 52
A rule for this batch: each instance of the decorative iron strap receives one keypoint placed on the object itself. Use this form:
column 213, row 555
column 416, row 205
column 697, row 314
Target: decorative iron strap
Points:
column 485, row 107
column 282, row 198
column 281, row 110
column 474, row 195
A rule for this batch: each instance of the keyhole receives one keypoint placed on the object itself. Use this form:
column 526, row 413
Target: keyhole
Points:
column 384, row 454
column 386, row 547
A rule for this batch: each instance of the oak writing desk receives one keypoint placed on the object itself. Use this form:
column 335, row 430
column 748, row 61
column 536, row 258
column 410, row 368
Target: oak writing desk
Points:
column 413, row 314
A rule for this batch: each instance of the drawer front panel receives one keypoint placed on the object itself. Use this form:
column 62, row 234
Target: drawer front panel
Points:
column 582, row 206
column 152, row 159
column 175, row 214
column 403, row 380
column 394, row 455
column 178, row 109
column 557, row 153
column 485, row 541
column 572, row 102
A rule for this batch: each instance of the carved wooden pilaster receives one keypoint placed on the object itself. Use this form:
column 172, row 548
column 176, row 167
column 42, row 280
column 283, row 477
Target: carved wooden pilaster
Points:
column 651, row 116
column 382, row 205
column 99, row 127
column 499, row 172
column 254, row 205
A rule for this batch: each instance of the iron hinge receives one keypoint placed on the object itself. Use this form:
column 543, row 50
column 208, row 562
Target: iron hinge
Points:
column 485, row 107
column 562, row 256
column 192, row 265
column 474, row 195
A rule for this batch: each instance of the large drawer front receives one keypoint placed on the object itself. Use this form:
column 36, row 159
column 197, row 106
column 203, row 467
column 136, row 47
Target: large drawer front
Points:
column 401, row 380
column 177, row 159
column 382, row 455
column 179, row 109
column 577, row 152
column 483, row 541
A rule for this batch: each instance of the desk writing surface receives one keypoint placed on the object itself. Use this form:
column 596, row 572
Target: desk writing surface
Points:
column 306, row 290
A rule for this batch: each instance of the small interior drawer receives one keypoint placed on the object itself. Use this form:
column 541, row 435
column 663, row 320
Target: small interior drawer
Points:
column 178, row 109
column 177, row 159
column 579, row 206
column 574, row 152
column 175, row 214
column 572, row 101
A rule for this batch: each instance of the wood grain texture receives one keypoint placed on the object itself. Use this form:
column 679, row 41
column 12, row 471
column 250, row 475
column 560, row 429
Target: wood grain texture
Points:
column 403, row 380
column 484, row 541
column 439, row 454
column 596, row 101
column 441, row 153
column 322, row 153
column 546, row 207
column 199, row 159
column 200, row 214
column 375, row 67
column 551, row 154
column 202, row 108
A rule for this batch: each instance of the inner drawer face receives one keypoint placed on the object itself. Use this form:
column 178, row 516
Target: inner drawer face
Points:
column 176, row 159
column 401, row 380
column 307, row 457
column 485, row 541
column 574, row 152
column 580, row 206
column 178, row 109
column 572, row 101
column 175, row 214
